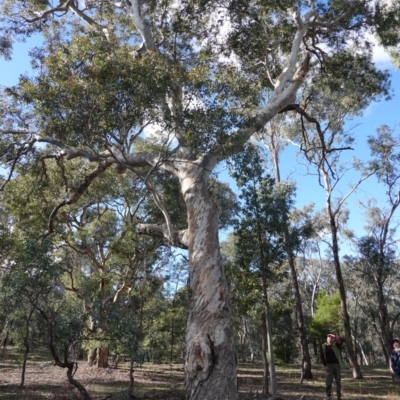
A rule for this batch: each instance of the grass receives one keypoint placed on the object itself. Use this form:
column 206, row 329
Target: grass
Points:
column 166, row 381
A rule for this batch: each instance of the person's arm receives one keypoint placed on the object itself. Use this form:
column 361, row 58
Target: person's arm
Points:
column 339, row 341
column 321, row 355
column 323, row 360
column 394, row 360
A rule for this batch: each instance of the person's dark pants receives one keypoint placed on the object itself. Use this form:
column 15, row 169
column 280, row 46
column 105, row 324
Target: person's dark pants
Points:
column 334, row 372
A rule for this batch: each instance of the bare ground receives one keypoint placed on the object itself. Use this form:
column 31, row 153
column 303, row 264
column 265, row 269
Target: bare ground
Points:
column 166, row 382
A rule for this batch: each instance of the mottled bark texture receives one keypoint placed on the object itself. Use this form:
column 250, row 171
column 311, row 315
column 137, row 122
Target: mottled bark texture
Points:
column 210, row 362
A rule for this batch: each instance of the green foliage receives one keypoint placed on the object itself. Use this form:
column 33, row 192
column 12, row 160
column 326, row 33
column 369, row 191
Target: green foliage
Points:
column 98, row 92
column 33, row 297
column 265, row 216
column 387, row 21
column 285, row 339
column 89, row 88
column 327, row 317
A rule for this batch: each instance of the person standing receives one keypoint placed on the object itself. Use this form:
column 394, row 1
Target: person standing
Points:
column 395, row 358
column 331, row 358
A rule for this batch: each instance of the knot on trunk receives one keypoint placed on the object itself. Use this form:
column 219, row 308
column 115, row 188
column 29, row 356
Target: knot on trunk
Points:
column 200, row 361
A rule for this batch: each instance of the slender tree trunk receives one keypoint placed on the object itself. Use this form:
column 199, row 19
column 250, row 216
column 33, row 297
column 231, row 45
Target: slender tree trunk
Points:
column 5, row 333
column 210, row 354
column 91, row 358
column 343, row 303
column 386, row 333
column 172, row 339
column 27, row 348
column 272, row 372
column 66, row 364
column 74, row 382
column 131, row 379
column 305, row 359
column 264, row 349
column 364, row 359
column 25, row 359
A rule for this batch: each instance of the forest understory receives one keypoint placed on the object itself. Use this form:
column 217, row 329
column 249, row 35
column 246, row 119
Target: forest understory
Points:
column 43, row 381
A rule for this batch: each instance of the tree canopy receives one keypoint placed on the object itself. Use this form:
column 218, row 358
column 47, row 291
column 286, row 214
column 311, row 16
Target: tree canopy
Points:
column 161, row 92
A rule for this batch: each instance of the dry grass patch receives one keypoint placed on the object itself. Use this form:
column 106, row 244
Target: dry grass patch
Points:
column 44, row 381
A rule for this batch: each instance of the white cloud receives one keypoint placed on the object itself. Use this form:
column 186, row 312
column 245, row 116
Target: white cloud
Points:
column 380, row 55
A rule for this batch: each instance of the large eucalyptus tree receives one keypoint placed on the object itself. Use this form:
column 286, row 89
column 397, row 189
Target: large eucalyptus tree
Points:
column 166, row 87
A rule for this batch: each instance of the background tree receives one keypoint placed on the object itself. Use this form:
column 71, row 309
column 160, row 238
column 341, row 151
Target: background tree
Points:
column 323, row 139
column 260, row 243
column 32, row 294
column 377, row 255
column 275, row 142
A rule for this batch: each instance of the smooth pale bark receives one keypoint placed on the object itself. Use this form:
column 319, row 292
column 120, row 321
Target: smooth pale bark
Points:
column 363, row 356
column 210, row 361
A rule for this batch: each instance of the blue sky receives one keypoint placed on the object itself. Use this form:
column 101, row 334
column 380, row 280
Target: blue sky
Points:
column 384, row 112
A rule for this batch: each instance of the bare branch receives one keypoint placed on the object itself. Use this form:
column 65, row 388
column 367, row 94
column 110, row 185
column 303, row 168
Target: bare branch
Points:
column 15, row 132
column 180, row 237
column 277, row 103
column 332, row 23
column 84, row 17
column 63, row 8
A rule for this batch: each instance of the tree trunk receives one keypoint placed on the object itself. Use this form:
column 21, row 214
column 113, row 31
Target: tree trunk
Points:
column 131, row 379
column 172, row 340
column 210, row 361
column 272, row 373
column 343, row 303
column 91, row 359
column 305, row 359
column 26, row 352
column 386, row 333
column 5, row 333
column 74, row 382
column 264, row 348
column 102, row 357
column 364, row 359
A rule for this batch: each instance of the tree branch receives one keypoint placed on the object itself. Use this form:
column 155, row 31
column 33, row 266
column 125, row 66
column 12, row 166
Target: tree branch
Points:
column 180, row 237
column 77, row 193
column 142, row 26
column 289, row 70
column 84, row 17
column 277, row 103
column 53, row 10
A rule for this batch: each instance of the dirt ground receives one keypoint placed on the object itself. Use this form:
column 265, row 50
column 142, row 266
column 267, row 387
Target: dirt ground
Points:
column 166, row 382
